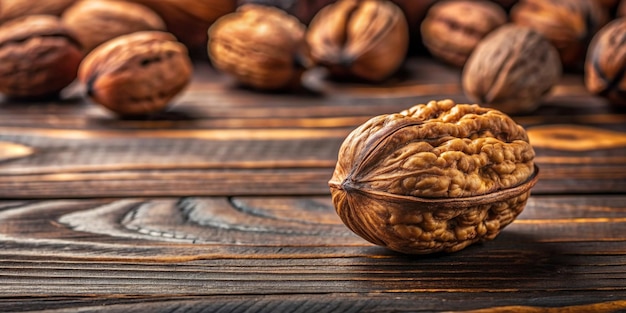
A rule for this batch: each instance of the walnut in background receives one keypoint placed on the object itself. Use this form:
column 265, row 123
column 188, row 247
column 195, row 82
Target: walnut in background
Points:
column 95, row 22
column 10, row 9
column 261, row 46
column 136, row 74
column 568, row 24
column 452, row 29
column 39, row 56
column 511, row 69
column 605, row 67
column 366, row 40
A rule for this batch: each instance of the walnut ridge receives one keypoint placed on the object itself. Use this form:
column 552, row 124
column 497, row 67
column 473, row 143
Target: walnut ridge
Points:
column 435, row 177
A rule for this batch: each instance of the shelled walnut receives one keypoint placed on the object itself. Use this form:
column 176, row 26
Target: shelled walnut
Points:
column 261, row 46
column 39, row 56
column 568, row 24
column 511, row 69
column 435, row 177
column 605, row 66
column 10, row 9
column 95, row 22
column 136, row 74
column 189, row 20
column 363, row 39
column 452, row 29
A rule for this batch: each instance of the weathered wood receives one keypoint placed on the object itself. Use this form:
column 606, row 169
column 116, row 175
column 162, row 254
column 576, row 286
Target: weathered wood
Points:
column 222, row 205
column 148, row 253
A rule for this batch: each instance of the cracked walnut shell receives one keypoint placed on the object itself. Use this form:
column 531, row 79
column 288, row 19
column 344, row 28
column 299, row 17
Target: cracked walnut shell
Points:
column 136, row 74
column 436, row 177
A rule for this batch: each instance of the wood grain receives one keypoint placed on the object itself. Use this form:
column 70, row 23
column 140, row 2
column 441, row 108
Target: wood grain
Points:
column 221, row 204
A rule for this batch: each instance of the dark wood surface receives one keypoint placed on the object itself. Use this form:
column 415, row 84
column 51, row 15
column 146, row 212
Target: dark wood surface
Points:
column 222, row 205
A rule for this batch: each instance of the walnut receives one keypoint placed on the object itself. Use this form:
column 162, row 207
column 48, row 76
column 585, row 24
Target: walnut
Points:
column 260, row 46
column 605, row 66
column 10, row 9
column 511, row 70
column 95, row 22
column 436, row 177
column 452, row 29
column 189, row 20
column 136, row 74
column 303, row 10
column 39, row 56
column 568, row 24
column 362, row 39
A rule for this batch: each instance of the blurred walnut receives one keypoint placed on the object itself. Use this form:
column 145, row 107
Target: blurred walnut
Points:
column 621, row 9
column 259, row 45
column 364, row 39
column 568, row 24
column 136, row 74
column 452, row 29
column 435, row 177
column 38, row 56
column 189, row 20
column 511, row 69
column 95, row 22
column 304, row 10
column 605, row 66
column 10, row 9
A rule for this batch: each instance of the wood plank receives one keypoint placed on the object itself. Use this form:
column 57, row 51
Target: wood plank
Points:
column 288, row 253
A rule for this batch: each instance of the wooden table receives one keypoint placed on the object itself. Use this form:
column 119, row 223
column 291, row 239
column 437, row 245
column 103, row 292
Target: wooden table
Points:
column 222, row 205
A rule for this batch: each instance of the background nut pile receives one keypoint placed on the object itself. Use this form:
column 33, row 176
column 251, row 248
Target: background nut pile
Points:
column 435, row 177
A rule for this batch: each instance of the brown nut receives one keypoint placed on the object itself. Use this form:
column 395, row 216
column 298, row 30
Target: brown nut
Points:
column 568, row 24
column 452, row 29
column 95, row 22
column 605, row 67
column 621, row 9
column 189, row 20
column 436, row 177
column 363, row 39
column 10, row 9
column 511, row 70
column 38, row 56
column 136, row 74
column 303, row 10
column 259, row 45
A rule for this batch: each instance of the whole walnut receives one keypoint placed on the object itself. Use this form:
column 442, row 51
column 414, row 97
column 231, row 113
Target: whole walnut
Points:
column 189, row 20
column 10, row 9
column 136, row 74
column 362, row 39
column 568, row 24
column 452, row 29
column 95, row 22
column 260, row 46
column 511, row 69
column 39, row 56
column 605, row 66
column 435, row 177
